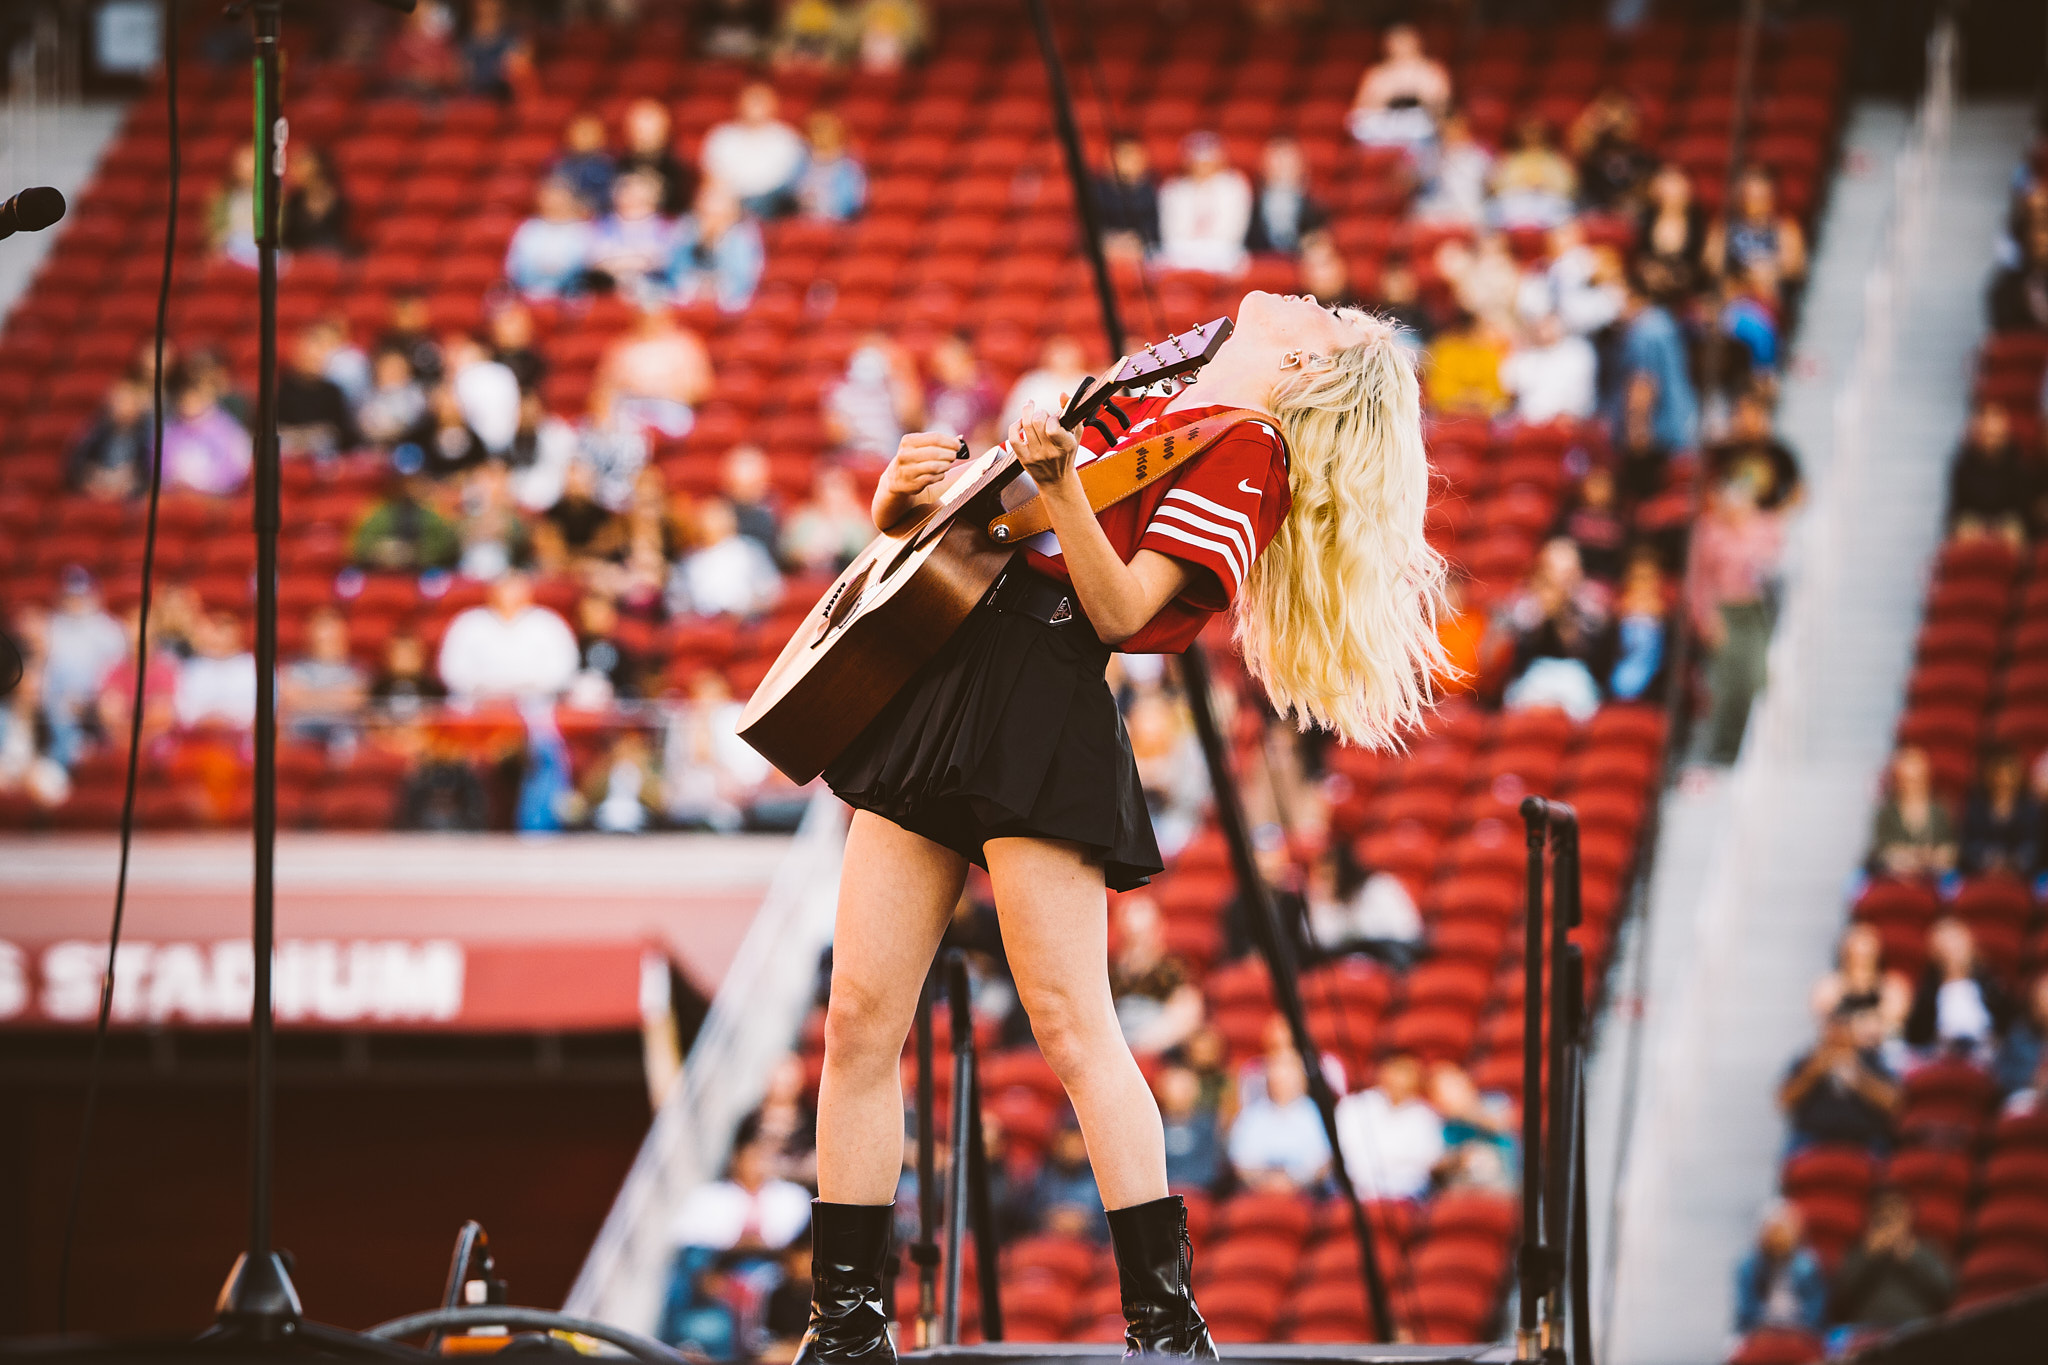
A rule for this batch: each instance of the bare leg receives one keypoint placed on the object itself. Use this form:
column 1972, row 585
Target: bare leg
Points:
column 1056, row 931
column 896, row 893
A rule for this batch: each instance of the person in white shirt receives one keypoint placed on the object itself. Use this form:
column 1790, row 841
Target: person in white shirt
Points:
column 1062, row 365
column 509, row 648
column 756, row 155
column 82, row 646
column 218, row 685
column 710, row 776
column 1205, row 213
column 485, row 389
column 1552, row 375
column 728, row 574
column 749, row 1210
column 1391, row 1138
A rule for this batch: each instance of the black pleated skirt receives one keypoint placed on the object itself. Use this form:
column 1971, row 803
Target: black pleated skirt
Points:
column 1010, row 731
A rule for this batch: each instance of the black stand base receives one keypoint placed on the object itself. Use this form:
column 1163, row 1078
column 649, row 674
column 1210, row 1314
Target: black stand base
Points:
column 258, row 1300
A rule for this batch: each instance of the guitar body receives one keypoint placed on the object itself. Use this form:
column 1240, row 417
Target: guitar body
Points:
column 885, row 617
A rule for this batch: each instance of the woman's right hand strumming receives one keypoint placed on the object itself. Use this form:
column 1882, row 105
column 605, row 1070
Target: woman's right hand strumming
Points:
column 922, row 459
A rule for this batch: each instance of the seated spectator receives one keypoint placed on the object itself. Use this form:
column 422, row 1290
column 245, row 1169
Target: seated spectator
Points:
column 787, row 1123
column 2025, row 1048
column 81, row 646
column 217, row 685
column 610, row 669
column 1402, row 95
column 1398, row 298
column 1170, row 766
column 1757, row 234
column 585, row 165
column 1958, row 1005
column 1583, row 284
column 1613, row 164
column 1277, row 1141
column 699, row 1317
column 834, row 186
column 1750, row 315
column 727, row 574
column 959, row 398
column 542, row 449
column 650, row 150
column 322, row 692
column 1062, row 365
column 1127, row 200
column 411, row 333
column 1325, row 274
column 744, row 481
column 634, row 246
column 888, row 34
column 551, row 250
column 1552, row 376
column 656, row 375
column 1891, row 1277
column 494, row 537
column 404, row 687
column 1780, row 1282
column 1594, row 520
column 578, row 527
column 1671, row 238
column 205, row 449
column 1463, row 375
column 442, row 791
column 621, row 792
column 756, row 155
column 494, row 58
column 1285, row 215
column 1752, row 448
column 2000, row 820
column 1206, row 211
column 1913, row 836
column 442, row 443
column 1996, row 486
column 420, row 59
column 732, row 30
column 315, row 212
column 1458, row 188
column 612, row 442
column 1158, row 1002
column 1392, row 1139
column 313, row 414
column 1479, row 1132
column 509, row 341
column 1654, row 346
column 231, row 226
column 814, row 34
column 1194, row 1143
column 485, row 388
column 710, row 775
column 396, row 404
column 1356, row 909
column 511, row 647
column 1641, row 460
column 1557, row 629
column 2019, row 292
column 749, row 1212
column 112, row 459
column 868, row 412
column 403, row 533
column 1840, row 1091
column 824, row 534
column 719, row 255
column 1065, row 1194
column 1858, row 985
column 1534, row 185
column 1732, row 560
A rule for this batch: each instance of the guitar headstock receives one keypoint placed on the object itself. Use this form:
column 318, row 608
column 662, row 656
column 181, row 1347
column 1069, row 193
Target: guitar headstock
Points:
column 1168, row 359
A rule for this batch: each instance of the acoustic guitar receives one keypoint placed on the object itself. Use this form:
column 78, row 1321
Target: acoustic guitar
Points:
column 904, row 596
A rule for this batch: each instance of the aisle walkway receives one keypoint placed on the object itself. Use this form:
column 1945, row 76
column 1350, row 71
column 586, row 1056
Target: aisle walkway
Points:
column 1710, row 1179
column 46, row 144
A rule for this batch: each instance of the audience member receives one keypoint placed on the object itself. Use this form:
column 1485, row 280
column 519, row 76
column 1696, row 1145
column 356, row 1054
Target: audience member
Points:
column 1326, row 275
column 744, row 479
column 1065, row 1194
column 1194, row 1143
column 494, row 58
column 509, row 338
column 1356, row 909
column 1534, row 184
column 621, row 792
column 420, row 59
column 205, row 449
column 824, row 534
column 551, row 250
column 542, row 450
column 1733, row 558
column 2025, row 1046
column 1840, row 1091
column 656, row 375
column 494, row 536
column 633, row 248
column 313, row 414
column 1913, row 836
column 749, row 1211
column 1639, row 631
column 1170, row 767
column 1858, row 985
column 403, row 533
column 650, row 150
column 1653, row 348
column 733, row 30
column 959, row 398
column 1552, row 376
column 1593, row 519
column 1285, row 215
column 578, row 527
column 889, row 33
column 404, row 687
column 510, row 648
column 1402, row 95
column 442, row 443
column 323, row 691
column 486, row 390
column 2019, row 293
column 1614, row 166
column 868, row 412
column 1780, row 1282
column 1277, row 1141
column 756, row 155
column 1127, row 199
column 113, row 458
column 1557, row 629
column 1758, row 234
column 612, row 439
column 442, row 791
column 1891, row 1277
column 728, row 574
column 217, row 685
column 1462, row 376
column 1752, row 449
column 710, row 775
column 315, row 212
column 1996, row 485
column 1205, row 212
column 1062, row 365
column 813, row 34
column 1458, row 189
column 2000, row 820
column 411, row 333
column 585, row 165
column 1958, row 1006
column 1391, row 1137
column 834, row 186
column 231, row 226
column 1479, row 1132
column 1671, row 238
column 719, row 256
column 1157, row 1001
column 81, row 645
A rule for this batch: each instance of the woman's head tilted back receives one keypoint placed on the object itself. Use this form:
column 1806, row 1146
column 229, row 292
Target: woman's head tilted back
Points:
column 1338, row 618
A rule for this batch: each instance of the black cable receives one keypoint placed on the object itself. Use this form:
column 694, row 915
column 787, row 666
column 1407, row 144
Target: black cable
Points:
column 156, row 483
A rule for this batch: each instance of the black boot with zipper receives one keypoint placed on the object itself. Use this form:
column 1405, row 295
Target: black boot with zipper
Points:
column 1154, row 1259
column 849, row 1264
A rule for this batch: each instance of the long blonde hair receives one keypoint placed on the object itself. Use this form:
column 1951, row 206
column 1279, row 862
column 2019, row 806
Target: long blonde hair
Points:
column 1338, row 617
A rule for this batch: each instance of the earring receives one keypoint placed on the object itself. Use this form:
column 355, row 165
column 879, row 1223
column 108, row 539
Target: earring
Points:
column 1291, row 361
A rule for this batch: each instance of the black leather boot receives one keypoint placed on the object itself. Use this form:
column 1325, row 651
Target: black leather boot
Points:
column 1154, row 1259
column 849, row 1257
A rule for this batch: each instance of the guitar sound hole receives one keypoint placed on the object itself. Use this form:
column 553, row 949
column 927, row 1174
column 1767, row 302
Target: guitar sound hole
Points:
column 842, row 605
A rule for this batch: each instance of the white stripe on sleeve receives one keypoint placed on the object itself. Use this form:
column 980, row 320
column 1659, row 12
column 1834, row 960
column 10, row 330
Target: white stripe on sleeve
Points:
column 1216, row 547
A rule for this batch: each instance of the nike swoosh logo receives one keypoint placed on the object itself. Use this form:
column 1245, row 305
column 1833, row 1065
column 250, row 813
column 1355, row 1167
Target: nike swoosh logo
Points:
column 1247, row 488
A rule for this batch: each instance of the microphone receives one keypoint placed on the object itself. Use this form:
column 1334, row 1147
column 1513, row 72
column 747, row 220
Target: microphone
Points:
column 31, row 211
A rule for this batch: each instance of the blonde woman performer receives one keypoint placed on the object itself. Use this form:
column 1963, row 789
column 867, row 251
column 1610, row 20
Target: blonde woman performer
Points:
column 1007, row 751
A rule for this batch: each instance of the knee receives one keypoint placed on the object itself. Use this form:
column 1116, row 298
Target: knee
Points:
column 862, row 1029
column 1073, row 1029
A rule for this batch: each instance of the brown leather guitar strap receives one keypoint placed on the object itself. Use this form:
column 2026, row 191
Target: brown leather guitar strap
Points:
column 1111, row 478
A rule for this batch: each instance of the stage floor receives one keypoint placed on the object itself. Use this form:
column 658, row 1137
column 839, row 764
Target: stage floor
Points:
column 1067, row 1352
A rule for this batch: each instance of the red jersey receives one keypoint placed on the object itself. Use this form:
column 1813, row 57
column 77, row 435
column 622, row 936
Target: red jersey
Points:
column 1215, row 514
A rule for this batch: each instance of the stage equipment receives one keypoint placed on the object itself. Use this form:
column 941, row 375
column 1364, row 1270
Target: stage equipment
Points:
column 31, row 211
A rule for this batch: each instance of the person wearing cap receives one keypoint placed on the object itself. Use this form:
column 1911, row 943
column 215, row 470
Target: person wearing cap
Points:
column 1205, row 213
column 83, row 646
